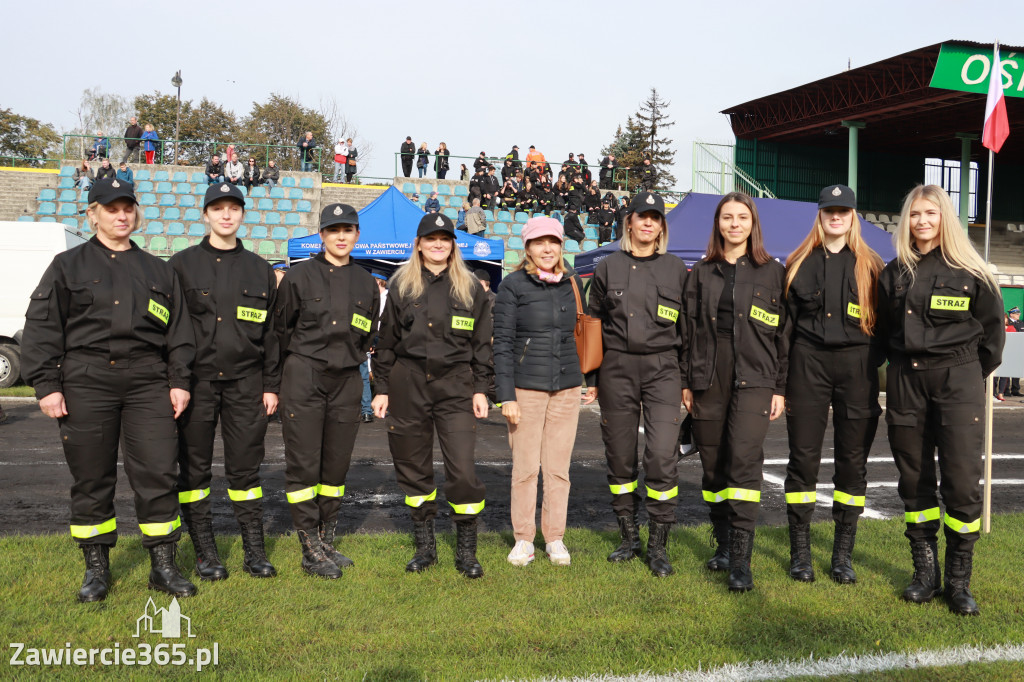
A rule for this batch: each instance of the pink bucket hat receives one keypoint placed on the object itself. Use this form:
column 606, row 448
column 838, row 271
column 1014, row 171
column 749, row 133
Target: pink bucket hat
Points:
column 543, row 227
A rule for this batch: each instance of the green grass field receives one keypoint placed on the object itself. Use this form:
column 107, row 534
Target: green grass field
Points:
column 379, row 623
column 21, row 391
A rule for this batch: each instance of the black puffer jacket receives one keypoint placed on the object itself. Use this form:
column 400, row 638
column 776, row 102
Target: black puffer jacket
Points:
column 534, row 346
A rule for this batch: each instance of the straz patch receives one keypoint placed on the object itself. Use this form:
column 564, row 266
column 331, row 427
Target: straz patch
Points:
column 853, row 310
column 951, row 302
column 668, row 313
column 160, row 312
column 465, row 323
column 252, row 315
column 360, row 322
column 763, row 316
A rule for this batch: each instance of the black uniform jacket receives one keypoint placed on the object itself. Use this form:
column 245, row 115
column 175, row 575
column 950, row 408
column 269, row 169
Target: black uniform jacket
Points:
column 326, row 314
column 231, row 297
column 761, row 328
column 640, row 303
column 941, row 317
column 111, row 308
column 822, row 301
column 435, row 334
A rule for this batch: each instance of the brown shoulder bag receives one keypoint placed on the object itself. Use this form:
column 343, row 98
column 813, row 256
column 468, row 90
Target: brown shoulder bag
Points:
column 588, row 336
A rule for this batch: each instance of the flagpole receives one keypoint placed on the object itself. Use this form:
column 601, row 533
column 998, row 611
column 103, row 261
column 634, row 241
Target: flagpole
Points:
column 989, row 392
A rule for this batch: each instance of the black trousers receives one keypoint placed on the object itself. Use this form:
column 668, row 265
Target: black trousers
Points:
column 319, row 421
column 632, row 383
column 238, row 406
column 131, row 405
column 943, row 409
column 848, row 380
column 729, row 426
column 407, row 166
column 415, row 411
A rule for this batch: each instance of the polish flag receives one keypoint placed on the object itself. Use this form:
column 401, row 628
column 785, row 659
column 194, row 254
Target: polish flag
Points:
column 997, row 126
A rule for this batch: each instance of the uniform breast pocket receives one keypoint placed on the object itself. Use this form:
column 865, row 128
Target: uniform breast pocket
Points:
column 158, row 303
column 361, row 320
column 311, row 309
column 670, row 303
column 81, row 295
column 252, row 309
column 808, row 301
column 853, row 309
column 765, row 310
column 199, row 301
column 615, row 295
column 39, row 304
column 950, row 299
column 461, row 322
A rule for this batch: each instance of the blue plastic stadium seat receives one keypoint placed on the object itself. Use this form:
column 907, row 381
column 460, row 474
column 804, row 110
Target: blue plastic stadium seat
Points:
column 168, row 200
column 26, row 219
column 306, row 183
column 180, row 176
column 143, row 185
column 183, row 188
column 47, row 208
column 444, row 190
column 172, row 213
column 192, row 215
column 451, row 213
column 68, row 209
column 244, row 190
column 500, row 228
column 154, row 227
column 160, row 176
column 47, row 219
column 68, row 195
column 272, row 218
column 249, row 203
column 266, row 205
column 284, row 205
column 242, row 231
column 288, row 181
column 147, row 199
column 66, row 183
column 251, row 218
column 71, row 222
column 258, row 232
column 47, row 194
column 187, row 201
column 572, row 246
column 279, row 233
column 196, row 230
column 504, row 216
column 175, row 229
column 522, row 216
column 294, row 194
column 299, row 232
column 461, row 191
column 517, row 229
column 141, row 175
column 196, row 177
column 422, row 200
column 589, row 245
column 515, row 242
column 408, row 188
column 199, row 189
column 590, row 232
column 258, row 192
column 67, row 171
column 163, row 187
column 426, row 188
column 277, row 193
column 151, row 213
column 291, row 219
column 304, row 206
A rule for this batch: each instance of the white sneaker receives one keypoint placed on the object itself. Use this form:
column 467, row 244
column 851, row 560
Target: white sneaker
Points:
column 521, row 554
column 557, row 552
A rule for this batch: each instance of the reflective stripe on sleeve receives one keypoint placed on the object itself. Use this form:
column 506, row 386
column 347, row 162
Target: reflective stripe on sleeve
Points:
column 186, row 496
column 667, row 495
column 244, row 495
column 301, row 495
column 961, row 527
column 922, row 516
column 165, row 528
column 419, row 500
column 623, row 488
column 847, row 499
column 330, row 490
column 471, row 508
column 805, row 497
column 108, row 526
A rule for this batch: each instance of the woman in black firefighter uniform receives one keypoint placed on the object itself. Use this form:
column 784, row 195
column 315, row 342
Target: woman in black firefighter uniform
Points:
column 106, row 334
column 230, row 294
column 326, row 312
column 637, row 294
column 435, row 347
column 830, row 298
column 941, row 316
column 734, row 375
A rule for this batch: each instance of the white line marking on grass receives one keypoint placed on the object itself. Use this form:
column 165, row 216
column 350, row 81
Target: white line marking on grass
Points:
column 825, row 500
column 826, row 667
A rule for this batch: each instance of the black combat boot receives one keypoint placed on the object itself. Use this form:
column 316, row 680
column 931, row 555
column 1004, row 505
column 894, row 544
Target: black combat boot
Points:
column 208, row 564
column 629, row 548
column 96, row 582
column 164, row 575
column 741, row 546
column 657, row 550
column 719, row 536
column 255, row 561
column 426, row 547
column 465, row 549
column 314, row 559
column 842, row 553
column 800, row 566
column 927, row 577
column 959, row 563
column 327, row 529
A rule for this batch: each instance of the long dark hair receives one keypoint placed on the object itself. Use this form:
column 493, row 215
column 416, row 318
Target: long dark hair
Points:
column 755, row 244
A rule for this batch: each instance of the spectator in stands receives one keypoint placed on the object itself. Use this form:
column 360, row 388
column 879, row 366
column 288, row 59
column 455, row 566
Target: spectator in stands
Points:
column 106, row 170
column 534, row 157
column 570, row 165
column 132, row 140
column 463, row 173
column 234, row 171
column 150, row 141
column 84, row 176
column 648, row 175
column 1018, row 326
column 408, row 150
column 605, row 223
column 441, row 161
column 480, row 162
column 607, row 172
column 526, row 199
column 476, row 182
column 588, row 177
column 490, row 188
column 545, row 198
column 561, row 192
column 592, row 202
column 513, row 156
column 432, row 205
column 507, row 170
column 620, row 216
column 271, row 174
column 460, row 220
column 100, row 146
column 517, row 180
column 340, row 158
column 422, row 159
column 476, row 220
column 351, row 168
column 571, row 224
column 214, row 170
column 306, row 146
column 125, row 174
column 251, row 176
column 508, row 195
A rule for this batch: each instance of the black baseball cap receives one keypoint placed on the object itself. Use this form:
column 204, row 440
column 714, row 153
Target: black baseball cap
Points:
column 432, row 223
column 108, row 190
column 223, row 190
column 338, row 214
column 482, row 275
column 837, row 195
column 647, row 201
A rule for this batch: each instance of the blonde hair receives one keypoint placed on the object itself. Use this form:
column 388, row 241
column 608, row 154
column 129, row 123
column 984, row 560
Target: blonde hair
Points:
column 531, row 267
column 409, row 282
column 957, row 250
column 626, row 243
column 95, row 204
column 868, row 265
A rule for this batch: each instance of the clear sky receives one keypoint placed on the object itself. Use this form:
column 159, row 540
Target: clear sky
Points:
column 477, row 75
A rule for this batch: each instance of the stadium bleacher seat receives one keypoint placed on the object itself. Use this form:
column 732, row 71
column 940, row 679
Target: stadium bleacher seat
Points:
column 174, row 229
column 258, row 192
column 294, row 194
column 68, row 209
column 291, row 219
column 47, row 194
column 71, row 222
column 408, row 188
column 304, row 206
column 426, row 188
column 512, row 258
column 66, row 183
column 163, row 188
column 300, row 232
column 172, row 213
column 590, row 232
column 247, row 243
column 265, row 205
column 572, row 246
column 47, row 208
column 244, row 190
column 187, row 201
column 515, row 242
column 522, row 216
column 287, row 181
column 197, row 230
column 68, row 195
column 25, row 219
column 249, row 204
column 517, row 229
column 451, row 213
column 151, row 213
column 588, row 245
column 179, row 244
column 168, row 200
column 139, row 240
column 141, row 175
column 67, row 171
column 267, row 248
column 461, row 191
column 160, row 176
column 154, row 227
column 147, row 199
column 500, row 228
column 259, row 232
column 277, row 193
column 444, row 190
column 193, row 215
column 158, row 243
column 47, row 219
column 144, row 186
column 198, row 177
column 180, row 176
column 242, row 231
column 306, row 183
column 199, row 189
column 504, row 216
column 183, row 188
column 284, row 205
column 251, row 218
column 272, row 218
column 279, row 233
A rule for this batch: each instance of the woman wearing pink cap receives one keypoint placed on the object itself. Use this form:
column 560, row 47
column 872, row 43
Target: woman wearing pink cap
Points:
column 537, row 377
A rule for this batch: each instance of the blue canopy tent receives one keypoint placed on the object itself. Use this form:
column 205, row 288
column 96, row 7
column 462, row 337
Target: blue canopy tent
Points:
column 387, row 228
column 784, row 225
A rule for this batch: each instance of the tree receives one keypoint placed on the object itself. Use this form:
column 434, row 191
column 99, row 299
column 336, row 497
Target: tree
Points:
column 281, row 121
column 205, row 128
column 99, row 113
column 641, row 138
column 27, row 137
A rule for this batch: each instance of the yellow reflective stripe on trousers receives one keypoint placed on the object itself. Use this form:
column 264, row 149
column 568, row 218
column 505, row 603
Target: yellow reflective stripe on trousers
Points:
column 743, row 494
column 244, row 495
column 419, row 500
column 712, row 496
column 623, row 488
column 961, row 527
column 667, row 495
column 330, row 490
column 108, row 526
column 301, row 495
column 806, row 497
column 847, row 499
column 186, row 496
column 471, row 508
column 165, row 528
column 922, row 516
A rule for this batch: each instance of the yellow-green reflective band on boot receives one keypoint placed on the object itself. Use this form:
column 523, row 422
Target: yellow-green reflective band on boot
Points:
column 961, row 527
column 330, row 490
column 667, row 495
column 743, row 494
column 108, row 526
column 301, row 495
column 922, row 516
column 623, row 488
column 419, row 500
column 245, row 495
column 471, row 508
column 165, row 528
column 712, row 496
column 806, row 497
column 186, row 496
column 847, row 499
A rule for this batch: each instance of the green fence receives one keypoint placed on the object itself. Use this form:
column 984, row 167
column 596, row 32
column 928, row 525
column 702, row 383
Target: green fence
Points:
column 29, row 162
